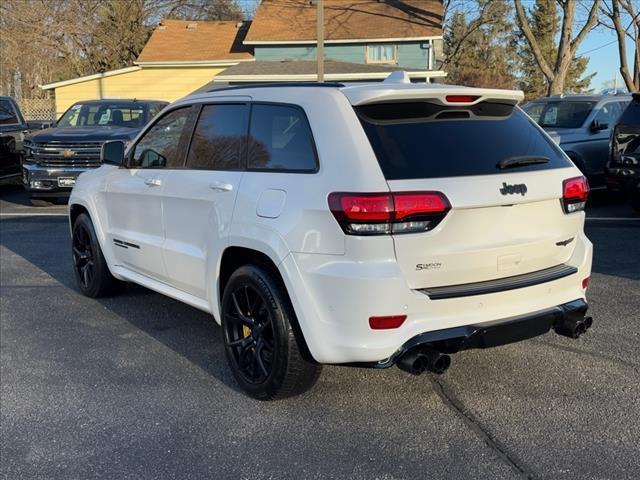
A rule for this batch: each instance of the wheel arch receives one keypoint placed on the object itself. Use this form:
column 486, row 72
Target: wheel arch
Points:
column 232, row 258
column 78, row 206
column 75, row 210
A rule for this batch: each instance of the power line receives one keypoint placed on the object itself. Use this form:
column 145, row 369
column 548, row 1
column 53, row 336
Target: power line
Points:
column 597, row 48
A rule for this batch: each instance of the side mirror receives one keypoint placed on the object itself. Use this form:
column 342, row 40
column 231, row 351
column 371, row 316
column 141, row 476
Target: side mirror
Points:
column 112, row 152
column 597, row 126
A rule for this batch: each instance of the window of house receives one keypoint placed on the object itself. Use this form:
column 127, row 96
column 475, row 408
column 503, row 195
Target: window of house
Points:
column 280, row 139
column 159, row 147
column 218, row 138
column 382, row 54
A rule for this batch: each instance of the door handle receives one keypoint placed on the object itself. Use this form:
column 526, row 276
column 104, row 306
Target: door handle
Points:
column 153, row 182
column 221, row 186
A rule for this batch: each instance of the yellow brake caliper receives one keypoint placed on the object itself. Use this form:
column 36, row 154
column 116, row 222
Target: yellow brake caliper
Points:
column 246, row 331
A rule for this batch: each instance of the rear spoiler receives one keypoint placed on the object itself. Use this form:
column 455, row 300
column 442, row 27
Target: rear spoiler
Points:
column 446, row 94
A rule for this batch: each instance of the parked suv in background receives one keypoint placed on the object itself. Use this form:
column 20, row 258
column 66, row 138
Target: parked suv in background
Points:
column 56, row 156
column 623, row 169
column 581, row 125
column 13, row 128
column 368, row 225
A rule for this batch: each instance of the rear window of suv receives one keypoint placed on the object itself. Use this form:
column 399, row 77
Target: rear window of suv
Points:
column 425, row 140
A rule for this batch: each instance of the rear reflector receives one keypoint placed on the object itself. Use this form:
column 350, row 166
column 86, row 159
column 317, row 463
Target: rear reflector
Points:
column 585, row 282
column 575, row 192
column 386, row 213
column 386, row 323
column 461, row 98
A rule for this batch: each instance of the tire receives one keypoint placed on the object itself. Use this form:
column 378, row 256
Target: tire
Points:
column 260, row 343
column 89, row 266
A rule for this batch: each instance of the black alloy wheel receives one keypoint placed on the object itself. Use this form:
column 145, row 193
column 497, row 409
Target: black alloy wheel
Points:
column 249, row 333
column 83, row 257
column 89, row 265
column 262, row 340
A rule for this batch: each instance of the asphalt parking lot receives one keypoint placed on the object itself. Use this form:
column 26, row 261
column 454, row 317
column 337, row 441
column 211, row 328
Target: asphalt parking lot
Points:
column 136, row 386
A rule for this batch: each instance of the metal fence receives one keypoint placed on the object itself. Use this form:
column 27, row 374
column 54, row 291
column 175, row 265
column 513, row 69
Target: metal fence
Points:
column 38, row 108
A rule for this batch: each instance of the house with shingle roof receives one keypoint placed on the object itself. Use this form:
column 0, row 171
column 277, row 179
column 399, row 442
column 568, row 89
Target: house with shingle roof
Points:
column 179, row 57
column 364, row 40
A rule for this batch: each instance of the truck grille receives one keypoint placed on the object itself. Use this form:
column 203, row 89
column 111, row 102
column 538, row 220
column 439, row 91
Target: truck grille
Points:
column 66, row 154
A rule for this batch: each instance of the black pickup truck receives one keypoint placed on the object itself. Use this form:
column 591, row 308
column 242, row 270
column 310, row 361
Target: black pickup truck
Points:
column 623, row 168
column 13, row 129
column 54, row 157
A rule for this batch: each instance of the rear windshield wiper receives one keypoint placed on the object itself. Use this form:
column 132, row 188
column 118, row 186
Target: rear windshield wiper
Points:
column 521, row 161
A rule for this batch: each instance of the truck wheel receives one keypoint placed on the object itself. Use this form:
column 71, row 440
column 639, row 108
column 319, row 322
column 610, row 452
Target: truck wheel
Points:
column 260, row 344
column 89, row 266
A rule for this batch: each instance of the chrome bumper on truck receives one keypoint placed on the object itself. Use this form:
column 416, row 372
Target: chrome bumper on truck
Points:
column 49, row 181
column 50, row 169
column 428, row 351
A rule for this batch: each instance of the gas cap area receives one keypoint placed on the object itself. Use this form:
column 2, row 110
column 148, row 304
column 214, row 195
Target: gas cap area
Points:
column 271, row 203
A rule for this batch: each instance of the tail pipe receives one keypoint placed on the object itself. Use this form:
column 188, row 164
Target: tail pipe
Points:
column 417, row 362
column 573, row 327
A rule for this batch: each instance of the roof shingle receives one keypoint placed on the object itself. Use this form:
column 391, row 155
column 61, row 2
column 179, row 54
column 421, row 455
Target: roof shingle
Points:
column 295, row 20
column 196, row 41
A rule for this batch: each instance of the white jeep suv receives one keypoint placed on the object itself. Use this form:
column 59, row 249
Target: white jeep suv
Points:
column 369, row 225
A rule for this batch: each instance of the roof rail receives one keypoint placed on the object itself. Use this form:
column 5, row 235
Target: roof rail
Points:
column 279, row 84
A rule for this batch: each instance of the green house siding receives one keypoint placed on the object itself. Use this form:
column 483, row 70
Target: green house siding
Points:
column 410, row 54
column 414, row 55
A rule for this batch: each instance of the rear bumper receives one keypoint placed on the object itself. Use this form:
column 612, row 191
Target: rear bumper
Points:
column 334, row 297
column 45, row 181
column 491, row 334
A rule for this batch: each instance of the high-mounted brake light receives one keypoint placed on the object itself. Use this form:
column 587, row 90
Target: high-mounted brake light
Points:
column 575, row 192
column 386, row 213
column 461, row 98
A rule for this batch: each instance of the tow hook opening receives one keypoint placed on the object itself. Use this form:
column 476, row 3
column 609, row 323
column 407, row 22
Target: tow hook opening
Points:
column 418, row 361
column 572, row 326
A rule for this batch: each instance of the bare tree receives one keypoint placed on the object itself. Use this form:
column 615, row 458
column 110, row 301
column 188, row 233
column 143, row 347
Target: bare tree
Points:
column 555, row 70
column 613, row 11
column 48, row 40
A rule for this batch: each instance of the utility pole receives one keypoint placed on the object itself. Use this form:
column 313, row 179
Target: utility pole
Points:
column 320, row 38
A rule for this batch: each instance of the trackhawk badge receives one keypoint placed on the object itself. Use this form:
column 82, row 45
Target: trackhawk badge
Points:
column 520, row 188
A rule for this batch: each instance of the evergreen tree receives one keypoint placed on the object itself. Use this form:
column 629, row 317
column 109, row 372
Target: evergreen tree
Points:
column 479, row 51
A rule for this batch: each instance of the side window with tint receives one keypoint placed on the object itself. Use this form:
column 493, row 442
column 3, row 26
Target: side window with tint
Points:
column 159, row 147
column 219, row 137
column 608, row 114
column 280, row 139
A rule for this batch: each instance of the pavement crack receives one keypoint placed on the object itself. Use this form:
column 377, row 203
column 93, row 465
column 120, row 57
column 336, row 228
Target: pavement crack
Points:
column 590, row 353
column 451, row 401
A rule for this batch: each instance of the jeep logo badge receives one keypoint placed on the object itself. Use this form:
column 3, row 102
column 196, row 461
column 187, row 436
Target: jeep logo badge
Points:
column 520, row 188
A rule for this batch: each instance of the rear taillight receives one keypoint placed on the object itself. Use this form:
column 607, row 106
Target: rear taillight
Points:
column 575, row 192
column 387, row 213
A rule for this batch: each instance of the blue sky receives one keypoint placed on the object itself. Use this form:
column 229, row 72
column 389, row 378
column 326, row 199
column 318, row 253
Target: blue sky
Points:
column 599, row 45
column 604, row 61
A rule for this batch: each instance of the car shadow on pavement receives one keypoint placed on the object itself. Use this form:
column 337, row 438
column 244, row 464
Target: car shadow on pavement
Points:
column 189, row 332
